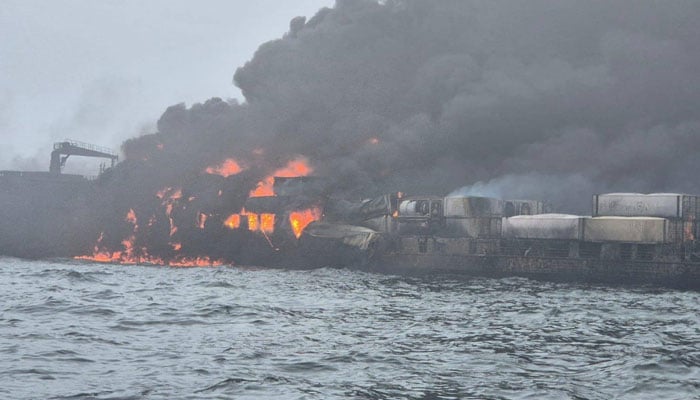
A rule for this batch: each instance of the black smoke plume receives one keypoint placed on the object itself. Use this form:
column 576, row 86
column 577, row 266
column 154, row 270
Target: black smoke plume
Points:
column 558, row 98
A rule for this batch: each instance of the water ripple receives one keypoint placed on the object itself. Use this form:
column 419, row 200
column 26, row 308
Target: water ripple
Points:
column 78, row 331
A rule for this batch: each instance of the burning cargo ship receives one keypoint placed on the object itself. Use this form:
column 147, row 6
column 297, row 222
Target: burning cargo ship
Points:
column 287, row 218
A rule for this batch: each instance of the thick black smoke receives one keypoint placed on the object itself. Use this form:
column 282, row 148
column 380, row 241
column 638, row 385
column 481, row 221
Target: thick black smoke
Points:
column 529, row 99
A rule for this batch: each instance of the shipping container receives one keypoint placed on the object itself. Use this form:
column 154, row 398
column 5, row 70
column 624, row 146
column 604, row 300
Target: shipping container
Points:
column 420, row 208
column 477, row 227
column 544, row 226
column 469, row 207
column 626, row 229
column 663, row 205
column 523, row 207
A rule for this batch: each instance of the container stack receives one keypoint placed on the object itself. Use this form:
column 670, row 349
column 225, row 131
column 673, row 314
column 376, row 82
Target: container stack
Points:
column 544, row 226
column 473, row 217
column 681, row 212
column 420, row 215
column 649, row 230
column 523, row 207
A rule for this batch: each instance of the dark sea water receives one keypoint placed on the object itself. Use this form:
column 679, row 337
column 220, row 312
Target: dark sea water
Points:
column 72, row 330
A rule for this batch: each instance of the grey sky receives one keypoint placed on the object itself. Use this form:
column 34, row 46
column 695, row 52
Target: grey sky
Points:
column 104, row 71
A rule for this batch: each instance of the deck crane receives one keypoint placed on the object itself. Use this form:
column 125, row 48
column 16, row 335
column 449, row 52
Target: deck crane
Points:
column 63, row 150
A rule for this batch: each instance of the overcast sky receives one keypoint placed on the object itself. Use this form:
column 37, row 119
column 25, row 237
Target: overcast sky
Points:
column 66, row 66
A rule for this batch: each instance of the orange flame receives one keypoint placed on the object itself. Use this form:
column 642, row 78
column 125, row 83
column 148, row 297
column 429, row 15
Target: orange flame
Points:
column 173, row 227
column 129, row 257
column 264, row 188
column 233, row 221
column 170, row 193
column 128, row 244
column 264, row 223
column 267, row 223
column 299, row 220
column 227, row 168
column 202, row 220
column 131, row 217
column 161, row 193
column 253, row 221
column 293, row 169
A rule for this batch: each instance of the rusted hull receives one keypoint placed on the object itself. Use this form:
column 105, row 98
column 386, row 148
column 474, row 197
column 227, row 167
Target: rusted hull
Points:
column 665, row 274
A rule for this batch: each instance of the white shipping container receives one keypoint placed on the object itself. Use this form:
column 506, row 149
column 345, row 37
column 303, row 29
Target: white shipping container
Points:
column 626, row 229
column 523, row 207
column 544, row 226
column 468, row 207
column 666, row 205
column 481, row 227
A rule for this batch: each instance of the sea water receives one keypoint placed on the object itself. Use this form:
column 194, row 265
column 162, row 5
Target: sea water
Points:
column 73, row 330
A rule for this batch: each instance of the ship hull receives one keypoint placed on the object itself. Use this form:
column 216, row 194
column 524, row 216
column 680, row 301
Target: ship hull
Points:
column 683, row 275
column 491, row 259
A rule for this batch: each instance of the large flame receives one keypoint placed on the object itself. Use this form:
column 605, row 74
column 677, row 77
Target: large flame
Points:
column 174, row 205
column 256, row 222
column 267, row 223
column 233, row 221
column 253, row 221
column 131, row 255
column 295, row 168
column 299, row 220
column 228, row 168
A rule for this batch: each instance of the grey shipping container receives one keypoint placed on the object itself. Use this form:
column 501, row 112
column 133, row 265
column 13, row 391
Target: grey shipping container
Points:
column 544, row 226
column 477, row 227
column 626, row 229
column 523, row 207
column 420, row 208
column 663, row 205
column 469, row 207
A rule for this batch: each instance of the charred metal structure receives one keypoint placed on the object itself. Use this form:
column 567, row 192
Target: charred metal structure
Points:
column 63, row 150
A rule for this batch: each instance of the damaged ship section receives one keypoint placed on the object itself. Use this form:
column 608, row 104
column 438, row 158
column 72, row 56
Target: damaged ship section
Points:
column 227, row 215
column 236, row 213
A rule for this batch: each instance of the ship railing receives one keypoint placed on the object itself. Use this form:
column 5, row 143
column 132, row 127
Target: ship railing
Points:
column 83, row 145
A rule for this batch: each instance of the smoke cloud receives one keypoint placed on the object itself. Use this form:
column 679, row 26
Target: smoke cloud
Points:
column 601, row 95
